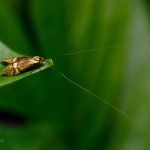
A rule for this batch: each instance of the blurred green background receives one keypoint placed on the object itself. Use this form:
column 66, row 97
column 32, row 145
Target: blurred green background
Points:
column 45, row 111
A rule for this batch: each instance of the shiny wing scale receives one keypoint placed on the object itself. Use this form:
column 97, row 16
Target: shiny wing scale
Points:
column 23, row 66
column 16, row 59
column 7, row 61
column 23, row 59
column 9, row 71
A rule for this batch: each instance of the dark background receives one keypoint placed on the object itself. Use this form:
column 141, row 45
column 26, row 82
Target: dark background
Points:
column 45, row 111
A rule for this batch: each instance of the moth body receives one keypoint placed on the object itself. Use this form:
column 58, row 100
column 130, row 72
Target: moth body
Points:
column 19, row 65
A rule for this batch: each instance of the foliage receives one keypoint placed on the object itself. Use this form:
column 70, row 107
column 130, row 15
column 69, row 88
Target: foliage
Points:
column 55, row 114
column 7, row 53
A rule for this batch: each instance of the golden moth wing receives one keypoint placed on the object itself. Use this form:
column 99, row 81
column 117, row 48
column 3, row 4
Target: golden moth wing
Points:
column 22, row 59
column 15, row 59
column 8, row 71
column 25, row 65
column 8, row 61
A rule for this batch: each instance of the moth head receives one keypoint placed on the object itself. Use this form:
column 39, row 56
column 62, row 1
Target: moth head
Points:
column 38, row 59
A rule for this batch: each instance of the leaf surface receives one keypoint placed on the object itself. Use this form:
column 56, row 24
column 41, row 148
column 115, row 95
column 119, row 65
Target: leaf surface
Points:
column 6, row 52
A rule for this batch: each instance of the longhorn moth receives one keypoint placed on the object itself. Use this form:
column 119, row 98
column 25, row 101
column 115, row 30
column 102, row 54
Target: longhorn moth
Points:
column 19, row 65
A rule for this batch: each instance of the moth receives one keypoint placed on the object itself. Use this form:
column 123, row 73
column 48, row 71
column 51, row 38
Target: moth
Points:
column 19, row 65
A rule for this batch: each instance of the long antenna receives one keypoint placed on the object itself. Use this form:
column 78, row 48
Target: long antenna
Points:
column 85, row 51
column 90, row 50
column 104, row 101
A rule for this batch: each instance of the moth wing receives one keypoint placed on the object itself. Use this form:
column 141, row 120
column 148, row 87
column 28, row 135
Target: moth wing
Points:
column 15, row 59
column 7, row 61
column 22, row 59
column 8, row 71
column 25, row 65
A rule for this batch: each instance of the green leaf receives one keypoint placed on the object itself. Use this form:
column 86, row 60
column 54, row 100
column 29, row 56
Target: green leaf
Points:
column 5, row 52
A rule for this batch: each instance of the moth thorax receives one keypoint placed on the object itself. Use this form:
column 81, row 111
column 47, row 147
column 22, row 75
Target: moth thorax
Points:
column 15, row 64
column 14, row 60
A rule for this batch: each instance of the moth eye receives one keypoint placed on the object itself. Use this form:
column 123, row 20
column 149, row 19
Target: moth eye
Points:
column 41, row 59
column 11, row 119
